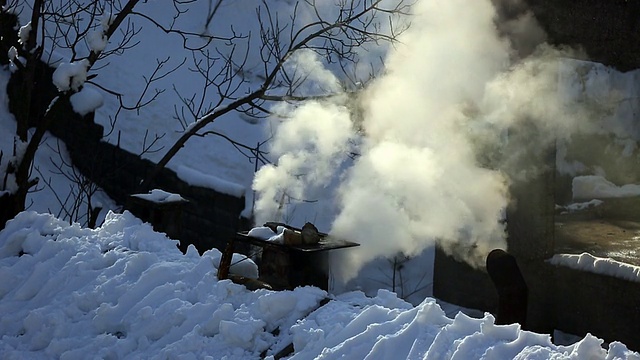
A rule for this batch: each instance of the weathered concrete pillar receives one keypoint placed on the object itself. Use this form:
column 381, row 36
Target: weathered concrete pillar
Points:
column 511, row 287
column 530, row 220
column 162, row 209
column 530, row 214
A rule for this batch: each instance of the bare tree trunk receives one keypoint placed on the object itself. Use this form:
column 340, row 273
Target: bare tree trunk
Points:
column 27, row 113
column 7, row 208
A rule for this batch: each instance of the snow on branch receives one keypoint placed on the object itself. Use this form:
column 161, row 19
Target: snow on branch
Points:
column 71, row 76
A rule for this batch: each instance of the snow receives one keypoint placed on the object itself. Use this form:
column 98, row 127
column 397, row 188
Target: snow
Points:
column 70, row 76
column 265, row 233
column 210, row 155
column 261, row 232
column 580, row 206
column 196, row 178
column 597, row 187
column 23, row 33
column 97, row 40
column 143, row 299
column 598, row 265
column 124, row 291
column 86, row 100
column 12, row 53
column 160, row 196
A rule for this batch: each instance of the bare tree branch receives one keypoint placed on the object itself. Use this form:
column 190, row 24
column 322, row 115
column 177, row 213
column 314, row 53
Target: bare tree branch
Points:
column 353, row 27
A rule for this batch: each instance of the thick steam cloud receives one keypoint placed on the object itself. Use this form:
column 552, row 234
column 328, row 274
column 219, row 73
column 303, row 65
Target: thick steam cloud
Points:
column 309, row 142
column 452, row 89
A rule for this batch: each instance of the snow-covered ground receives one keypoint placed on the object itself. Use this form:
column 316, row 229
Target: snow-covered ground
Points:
column 122, row 291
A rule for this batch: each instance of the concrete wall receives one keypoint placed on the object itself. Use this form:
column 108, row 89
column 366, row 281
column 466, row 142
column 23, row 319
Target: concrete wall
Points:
column 569, row 300
column 606, row 29
column 207, row 220
column 605, row 306
column 573, row 301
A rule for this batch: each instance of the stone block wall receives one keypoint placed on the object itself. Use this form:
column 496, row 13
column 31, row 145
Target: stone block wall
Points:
column 208, row 219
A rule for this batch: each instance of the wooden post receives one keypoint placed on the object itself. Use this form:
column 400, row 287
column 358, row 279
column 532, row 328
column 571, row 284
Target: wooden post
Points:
column 225, row 261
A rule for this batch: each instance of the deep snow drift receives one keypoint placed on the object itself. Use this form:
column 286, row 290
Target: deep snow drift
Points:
column 123, row 291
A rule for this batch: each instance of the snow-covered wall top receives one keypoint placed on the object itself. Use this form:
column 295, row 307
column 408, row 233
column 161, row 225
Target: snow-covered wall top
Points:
column 160, row 196
column 597, row 187
column 197, row 178
column 597, row 265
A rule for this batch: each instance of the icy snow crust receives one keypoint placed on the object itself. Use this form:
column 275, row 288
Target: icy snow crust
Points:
column 123, row 291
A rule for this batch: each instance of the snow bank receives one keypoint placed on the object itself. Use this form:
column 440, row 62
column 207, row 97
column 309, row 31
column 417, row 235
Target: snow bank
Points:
column 598, row 265
column 123, row 291
column 597, row 187
column 384, row 327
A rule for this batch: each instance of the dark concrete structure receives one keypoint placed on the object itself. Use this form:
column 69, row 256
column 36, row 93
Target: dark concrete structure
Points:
column 604, row 31
column 607, row 30
column 511, row 288
column 206, row 220
column 573, row 301
column 165, row 216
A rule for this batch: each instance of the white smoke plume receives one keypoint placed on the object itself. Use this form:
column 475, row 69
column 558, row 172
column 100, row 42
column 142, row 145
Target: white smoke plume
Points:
column 309, row 143
column 454, row 85
column 309, row 146
column 418, row 179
